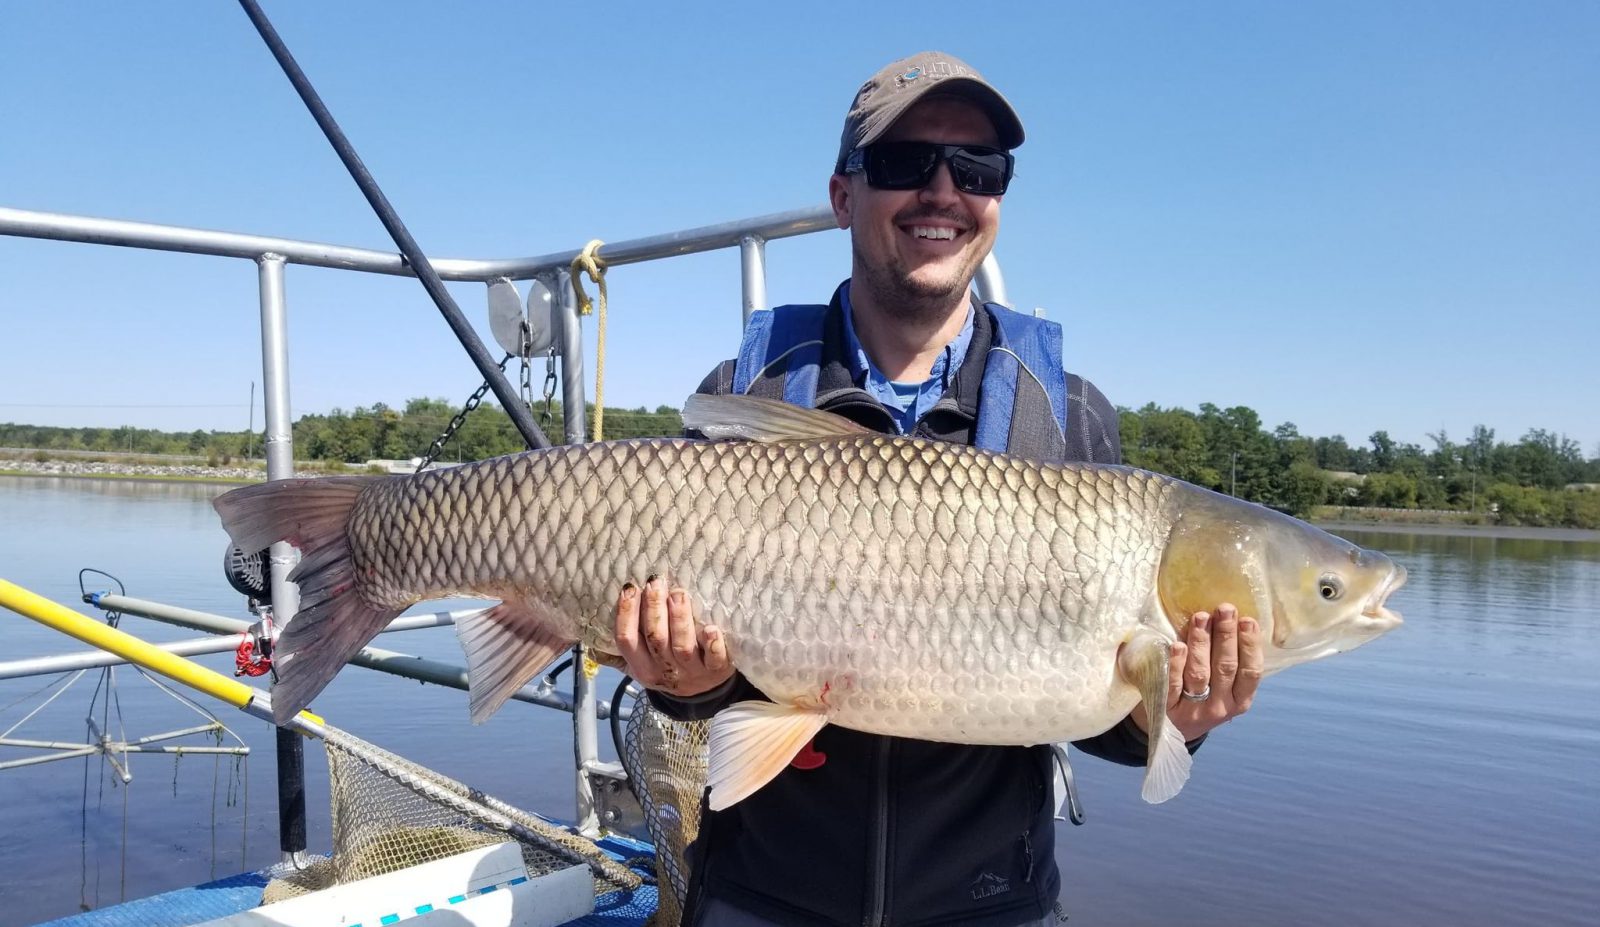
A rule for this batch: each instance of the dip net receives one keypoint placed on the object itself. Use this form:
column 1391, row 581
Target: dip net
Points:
column 666, row 764
column 390, row 813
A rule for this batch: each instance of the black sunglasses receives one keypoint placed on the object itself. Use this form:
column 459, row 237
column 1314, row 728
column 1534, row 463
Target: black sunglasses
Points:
column 910, row 165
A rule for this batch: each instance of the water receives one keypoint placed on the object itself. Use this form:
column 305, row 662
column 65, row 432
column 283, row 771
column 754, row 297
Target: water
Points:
column 1444, row 774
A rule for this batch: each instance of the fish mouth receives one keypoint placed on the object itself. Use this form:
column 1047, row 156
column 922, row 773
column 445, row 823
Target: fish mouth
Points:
column 1381, row 617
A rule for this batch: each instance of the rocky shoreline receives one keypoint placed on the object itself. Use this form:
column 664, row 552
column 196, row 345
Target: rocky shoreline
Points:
column 112, row 470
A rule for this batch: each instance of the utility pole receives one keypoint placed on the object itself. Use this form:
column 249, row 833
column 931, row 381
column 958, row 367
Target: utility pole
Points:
column 250, row 429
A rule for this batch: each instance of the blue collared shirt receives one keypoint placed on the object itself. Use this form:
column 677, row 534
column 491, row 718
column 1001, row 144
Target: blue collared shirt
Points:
column 908, row 402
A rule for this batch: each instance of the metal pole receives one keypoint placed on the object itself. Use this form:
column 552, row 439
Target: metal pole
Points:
column 753, row 264
column 585, row 740
column 519, row 414
column 27, row 223
column 989, row 283
column 280, row 437
column 285, row 596
column 571, row 335
column 585, row 743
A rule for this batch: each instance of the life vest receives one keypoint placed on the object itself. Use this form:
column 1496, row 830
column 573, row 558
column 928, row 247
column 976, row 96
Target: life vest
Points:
column 1022, row 399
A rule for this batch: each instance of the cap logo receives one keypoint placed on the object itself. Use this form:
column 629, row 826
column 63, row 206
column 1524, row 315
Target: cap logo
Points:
column 910, row 75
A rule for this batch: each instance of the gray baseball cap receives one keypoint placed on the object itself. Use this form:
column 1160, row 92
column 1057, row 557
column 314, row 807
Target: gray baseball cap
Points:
column 887, row 95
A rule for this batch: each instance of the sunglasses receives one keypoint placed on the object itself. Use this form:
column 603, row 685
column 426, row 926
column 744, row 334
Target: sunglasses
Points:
column 910, row 165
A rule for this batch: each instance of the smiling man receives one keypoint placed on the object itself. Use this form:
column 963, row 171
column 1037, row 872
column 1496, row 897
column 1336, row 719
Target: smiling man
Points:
column 862, row 828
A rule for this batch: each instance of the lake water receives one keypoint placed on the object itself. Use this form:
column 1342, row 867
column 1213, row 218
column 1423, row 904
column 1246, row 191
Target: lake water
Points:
column 1443, row 774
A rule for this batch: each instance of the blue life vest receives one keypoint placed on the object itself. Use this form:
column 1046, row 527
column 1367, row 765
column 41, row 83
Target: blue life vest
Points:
column 1022, row 395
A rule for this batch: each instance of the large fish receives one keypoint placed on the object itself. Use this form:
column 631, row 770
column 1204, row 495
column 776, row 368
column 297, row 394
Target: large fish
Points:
column 886, row 584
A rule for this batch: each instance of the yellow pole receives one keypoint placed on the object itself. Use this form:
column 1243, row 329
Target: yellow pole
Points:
column 132, row 649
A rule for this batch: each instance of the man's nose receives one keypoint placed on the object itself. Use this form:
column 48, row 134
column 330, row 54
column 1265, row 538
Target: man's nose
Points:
column 941, row 189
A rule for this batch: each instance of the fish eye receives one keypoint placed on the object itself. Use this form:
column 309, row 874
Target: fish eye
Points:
column 1330, row 587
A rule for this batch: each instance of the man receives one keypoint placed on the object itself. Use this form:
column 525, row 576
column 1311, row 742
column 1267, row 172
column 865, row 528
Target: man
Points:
column 860, row 828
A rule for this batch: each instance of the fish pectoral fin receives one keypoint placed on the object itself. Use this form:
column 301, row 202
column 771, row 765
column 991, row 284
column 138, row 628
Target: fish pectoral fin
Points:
column 751, row 742
column 755, row 419
column 506, row 646
column 1143, row 662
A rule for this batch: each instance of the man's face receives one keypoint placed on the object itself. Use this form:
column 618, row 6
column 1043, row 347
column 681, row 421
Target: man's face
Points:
column 895, row 234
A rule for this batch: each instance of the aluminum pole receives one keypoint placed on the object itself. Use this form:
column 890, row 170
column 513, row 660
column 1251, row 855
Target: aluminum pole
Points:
column 753, row 267
column 991, row 286
column 27, row 223
column 486, row 364
column 571, row 335
column 285, row 595
column 280, row 436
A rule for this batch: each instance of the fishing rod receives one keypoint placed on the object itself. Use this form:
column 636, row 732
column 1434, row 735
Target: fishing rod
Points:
column 521, row 417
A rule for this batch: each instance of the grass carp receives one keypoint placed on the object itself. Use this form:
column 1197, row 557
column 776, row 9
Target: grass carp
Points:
column 887, row 584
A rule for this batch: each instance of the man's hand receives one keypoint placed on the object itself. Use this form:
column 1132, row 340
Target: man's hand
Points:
column 657, row 637
column 1220, row 658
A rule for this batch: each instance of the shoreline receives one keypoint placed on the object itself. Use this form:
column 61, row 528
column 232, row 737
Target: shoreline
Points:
column 1510, row 532
column 232, row 476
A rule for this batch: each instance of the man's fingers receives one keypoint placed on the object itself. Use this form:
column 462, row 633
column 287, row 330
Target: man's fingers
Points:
column 1197, row 675
column 1224, row 650
column 1251, row 663
column 683, row 643
column 630, row 646
column 653, row 625
column 715, row 647
column 1175, row 665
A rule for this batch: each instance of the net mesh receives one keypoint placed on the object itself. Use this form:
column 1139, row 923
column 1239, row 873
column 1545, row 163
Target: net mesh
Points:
column 390, row 813
column 666, row 763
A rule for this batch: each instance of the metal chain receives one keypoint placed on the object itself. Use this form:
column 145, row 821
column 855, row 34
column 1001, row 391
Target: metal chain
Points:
column 549, row 385
column 460, row 417
column 525, row 352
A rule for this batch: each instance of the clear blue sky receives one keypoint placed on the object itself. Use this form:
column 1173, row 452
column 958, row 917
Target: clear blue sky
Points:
column 1351, row 216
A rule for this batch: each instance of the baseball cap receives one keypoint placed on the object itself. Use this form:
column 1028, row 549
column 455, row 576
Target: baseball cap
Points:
column 887, row 95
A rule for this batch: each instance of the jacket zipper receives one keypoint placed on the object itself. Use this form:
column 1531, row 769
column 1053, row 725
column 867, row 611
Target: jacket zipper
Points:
column 879, row 885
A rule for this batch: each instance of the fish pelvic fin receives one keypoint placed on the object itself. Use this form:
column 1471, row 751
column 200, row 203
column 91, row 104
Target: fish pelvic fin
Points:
column 754, row 419
column 1144, row 663
column 334, row 621
column 751, row 742
column 506, row 646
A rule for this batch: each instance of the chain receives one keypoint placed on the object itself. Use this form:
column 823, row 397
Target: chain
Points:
column 525, row 352
column 460, row 417
column 549, row 384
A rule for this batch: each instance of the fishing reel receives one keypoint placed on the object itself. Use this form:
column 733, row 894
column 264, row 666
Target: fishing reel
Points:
column 247, row 574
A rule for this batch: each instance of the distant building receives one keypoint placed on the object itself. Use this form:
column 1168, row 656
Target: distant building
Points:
column 1345, row 476
column 403, row 466
column 1582, row 487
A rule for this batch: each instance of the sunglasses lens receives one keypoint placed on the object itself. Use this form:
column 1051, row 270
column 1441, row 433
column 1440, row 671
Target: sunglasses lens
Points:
column 910, row 165
column 901, row 165
column 980, row 170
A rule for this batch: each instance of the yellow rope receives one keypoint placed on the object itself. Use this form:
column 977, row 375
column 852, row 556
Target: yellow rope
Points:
column 590, row 262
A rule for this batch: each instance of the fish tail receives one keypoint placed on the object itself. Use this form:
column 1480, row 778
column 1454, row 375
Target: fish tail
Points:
column 334, row 621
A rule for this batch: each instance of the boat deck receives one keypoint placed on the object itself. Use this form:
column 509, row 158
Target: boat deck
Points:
column 197, row 904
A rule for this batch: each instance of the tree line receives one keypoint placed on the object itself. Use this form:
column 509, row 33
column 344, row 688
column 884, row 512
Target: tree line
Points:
column 1521, row 483
column 1228, row 450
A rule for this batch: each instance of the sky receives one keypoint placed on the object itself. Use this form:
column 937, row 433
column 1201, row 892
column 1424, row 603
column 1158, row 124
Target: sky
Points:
column 1351, row 216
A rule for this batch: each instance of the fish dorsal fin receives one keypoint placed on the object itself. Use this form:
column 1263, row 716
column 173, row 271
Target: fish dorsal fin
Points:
column 754, row 419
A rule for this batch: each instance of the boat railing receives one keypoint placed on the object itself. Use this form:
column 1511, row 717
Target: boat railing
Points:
column 272, row 254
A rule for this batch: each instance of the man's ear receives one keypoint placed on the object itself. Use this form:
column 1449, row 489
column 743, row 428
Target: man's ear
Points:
column 842, row 198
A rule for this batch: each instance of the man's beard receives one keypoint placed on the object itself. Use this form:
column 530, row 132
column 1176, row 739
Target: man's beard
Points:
column 916, row 301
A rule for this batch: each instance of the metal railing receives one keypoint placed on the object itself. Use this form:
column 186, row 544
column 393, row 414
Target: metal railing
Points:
column 271, row 255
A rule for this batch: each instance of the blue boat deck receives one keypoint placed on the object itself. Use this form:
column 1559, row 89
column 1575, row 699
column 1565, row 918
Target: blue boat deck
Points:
column 197, row 904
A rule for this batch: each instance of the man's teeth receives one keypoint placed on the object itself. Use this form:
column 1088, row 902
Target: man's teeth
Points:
column 928, row 231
